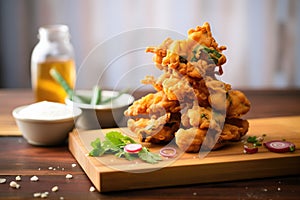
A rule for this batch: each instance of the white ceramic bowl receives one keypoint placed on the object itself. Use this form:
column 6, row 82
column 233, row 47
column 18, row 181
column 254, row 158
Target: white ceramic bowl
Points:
column 45, row 132
column 107, row 115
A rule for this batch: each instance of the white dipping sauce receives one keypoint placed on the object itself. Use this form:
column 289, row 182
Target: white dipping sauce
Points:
column 46, row 110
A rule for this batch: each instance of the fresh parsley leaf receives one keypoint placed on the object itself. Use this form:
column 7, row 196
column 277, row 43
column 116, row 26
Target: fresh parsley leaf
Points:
column 109, row 146
column 114, row 138
column 118, row 139
column 97, row 152
column 94, row 152
column 98, row 148
column 129, row 156
column 96, row 144
column 149, row 157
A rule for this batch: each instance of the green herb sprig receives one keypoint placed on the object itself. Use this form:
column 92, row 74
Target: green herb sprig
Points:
column 96, row 98
column 63, row 83
column 114, row 143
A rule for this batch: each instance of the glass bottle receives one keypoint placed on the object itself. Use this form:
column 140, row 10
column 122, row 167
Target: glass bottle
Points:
column 53, row 50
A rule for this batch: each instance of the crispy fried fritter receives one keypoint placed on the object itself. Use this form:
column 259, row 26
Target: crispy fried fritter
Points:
column 190, row 104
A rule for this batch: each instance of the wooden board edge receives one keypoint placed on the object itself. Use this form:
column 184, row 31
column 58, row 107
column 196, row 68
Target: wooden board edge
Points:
column 82, row 159
column 187, row 175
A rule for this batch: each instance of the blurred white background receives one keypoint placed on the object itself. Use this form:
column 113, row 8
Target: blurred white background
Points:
column 262, row 37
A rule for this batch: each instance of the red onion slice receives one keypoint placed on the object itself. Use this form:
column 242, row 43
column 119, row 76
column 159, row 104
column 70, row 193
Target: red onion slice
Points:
column 168, row 152
column 279, row 146
column 250, row 150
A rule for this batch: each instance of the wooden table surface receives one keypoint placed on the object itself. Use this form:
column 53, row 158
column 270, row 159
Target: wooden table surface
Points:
column 52, row 164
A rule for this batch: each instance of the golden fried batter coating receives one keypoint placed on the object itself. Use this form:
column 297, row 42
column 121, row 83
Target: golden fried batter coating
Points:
column 237, row 104
column 234, row 129
column 153, row 104
column 190, row 140
column 160, row 130
column 203, row 35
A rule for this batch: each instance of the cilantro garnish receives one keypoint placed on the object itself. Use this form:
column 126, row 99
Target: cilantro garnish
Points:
column 114, row 143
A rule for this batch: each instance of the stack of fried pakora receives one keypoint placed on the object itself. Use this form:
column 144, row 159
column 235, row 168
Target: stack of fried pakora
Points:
column 190, row 103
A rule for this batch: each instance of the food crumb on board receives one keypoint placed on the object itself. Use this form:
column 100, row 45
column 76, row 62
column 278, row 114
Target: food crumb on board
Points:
column 54, row 189
column 195, row 193
column 18, row 178
column 92, row 189
column 34, row 178
column 14, row 184
column 37, row 194
column 69, row 176
column 2, row 180
column 44, row 195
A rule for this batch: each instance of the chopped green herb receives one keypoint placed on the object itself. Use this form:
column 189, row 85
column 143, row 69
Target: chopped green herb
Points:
column 256, row 141
column 252, row 139
column 213, row 54
column 182, row 59
column 292, row 148
column 114, row 143
column 203, row 115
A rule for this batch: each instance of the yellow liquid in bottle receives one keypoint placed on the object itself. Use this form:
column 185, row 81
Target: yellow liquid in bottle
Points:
column 45, row 87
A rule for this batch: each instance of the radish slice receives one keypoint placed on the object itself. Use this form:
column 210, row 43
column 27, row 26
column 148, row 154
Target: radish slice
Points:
column 279, row 146
column 133, row 148
column 250, row 150
column 168, row 152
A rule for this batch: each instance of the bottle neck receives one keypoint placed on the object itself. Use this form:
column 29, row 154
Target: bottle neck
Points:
column 54, row 33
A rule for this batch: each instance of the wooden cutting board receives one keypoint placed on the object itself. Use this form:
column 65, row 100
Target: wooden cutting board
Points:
column 109, row 173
